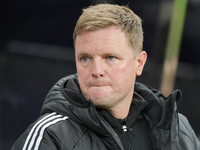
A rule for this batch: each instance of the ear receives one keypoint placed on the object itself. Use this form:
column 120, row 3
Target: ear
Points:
column 141, row 60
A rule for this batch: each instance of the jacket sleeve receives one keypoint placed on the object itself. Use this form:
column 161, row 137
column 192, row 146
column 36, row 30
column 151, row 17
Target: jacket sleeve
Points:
column 46, row 143
column 38, row 136
column 188, row 139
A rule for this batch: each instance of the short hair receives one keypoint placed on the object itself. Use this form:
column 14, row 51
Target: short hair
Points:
column 104, row 15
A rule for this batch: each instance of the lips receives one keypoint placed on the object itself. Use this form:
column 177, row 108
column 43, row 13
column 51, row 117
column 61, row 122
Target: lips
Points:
column 97, row 84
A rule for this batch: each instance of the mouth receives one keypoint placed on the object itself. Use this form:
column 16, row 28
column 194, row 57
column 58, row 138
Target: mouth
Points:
column 99, row 84
column 96, row 85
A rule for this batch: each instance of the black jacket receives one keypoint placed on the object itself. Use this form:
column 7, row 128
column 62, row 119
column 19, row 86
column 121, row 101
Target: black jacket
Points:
column 69, row 122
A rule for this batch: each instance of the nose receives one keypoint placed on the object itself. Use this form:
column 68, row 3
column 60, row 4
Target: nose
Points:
column 98, row 69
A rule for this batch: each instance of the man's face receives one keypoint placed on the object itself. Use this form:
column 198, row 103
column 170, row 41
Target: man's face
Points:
column 107, row 66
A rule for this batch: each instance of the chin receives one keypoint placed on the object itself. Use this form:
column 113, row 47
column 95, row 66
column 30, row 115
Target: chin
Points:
column 101, row 105
column 101, row 102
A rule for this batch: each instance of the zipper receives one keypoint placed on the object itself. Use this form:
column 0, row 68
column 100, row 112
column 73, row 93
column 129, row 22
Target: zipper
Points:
column 124, row 128
column 125, row 132
column 110, row 131
column 112, row 134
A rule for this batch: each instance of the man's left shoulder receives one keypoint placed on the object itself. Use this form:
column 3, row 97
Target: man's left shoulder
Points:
column 187, row 135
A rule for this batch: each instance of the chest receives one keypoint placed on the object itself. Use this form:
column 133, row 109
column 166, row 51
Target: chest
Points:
column 135, row 136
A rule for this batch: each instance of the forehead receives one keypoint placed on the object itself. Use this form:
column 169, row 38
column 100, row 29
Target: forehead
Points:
column 112, row 36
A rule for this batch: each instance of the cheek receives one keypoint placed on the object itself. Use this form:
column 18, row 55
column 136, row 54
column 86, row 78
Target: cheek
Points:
column 125, row 74
column 119, row 76
column 81, row 70
column 123, row 70
column 82, row 76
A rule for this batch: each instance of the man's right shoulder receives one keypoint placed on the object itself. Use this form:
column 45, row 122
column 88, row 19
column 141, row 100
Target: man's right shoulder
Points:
column 52, row 128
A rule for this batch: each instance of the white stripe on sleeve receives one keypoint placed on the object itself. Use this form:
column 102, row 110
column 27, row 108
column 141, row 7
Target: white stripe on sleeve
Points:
column 42, row 131
column 33, row 128
column 39, row 128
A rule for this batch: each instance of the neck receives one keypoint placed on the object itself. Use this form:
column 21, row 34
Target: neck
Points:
column 121, row 111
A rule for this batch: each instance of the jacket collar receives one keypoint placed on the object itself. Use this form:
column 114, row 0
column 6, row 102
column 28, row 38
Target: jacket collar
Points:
column 137, row 106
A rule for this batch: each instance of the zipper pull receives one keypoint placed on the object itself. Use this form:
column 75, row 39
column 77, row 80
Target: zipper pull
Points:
column 124, row 128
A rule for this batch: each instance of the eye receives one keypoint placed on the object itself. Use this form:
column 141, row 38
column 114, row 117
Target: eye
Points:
column 84, row 59
column 110, row 57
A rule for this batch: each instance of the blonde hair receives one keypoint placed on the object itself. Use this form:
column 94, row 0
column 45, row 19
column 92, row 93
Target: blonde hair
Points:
column 104, row 15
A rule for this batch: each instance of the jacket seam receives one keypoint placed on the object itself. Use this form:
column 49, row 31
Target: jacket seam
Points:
column 55, row 139
column 186, row 136
column 80, row 139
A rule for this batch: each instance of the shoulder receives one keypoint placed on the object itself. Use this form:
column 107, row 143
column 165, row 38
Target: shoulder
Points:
column 52, row 130
column 187, row 135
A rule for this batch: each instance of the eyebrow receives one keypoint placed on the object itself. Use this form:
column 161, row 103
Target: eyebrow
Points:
column 82, row 54
column 79, row 55
column 103, row 54
column 111, row 54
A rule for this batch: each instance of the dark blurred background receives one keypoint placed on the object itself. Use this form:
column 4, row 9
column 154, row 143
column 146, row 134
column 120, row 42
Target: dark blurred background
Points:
column 36, row 50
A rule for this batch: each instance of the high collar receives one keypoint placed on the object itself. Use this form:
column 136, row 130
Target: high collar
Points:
column 137, row 105
column 160, row 109
column 65, row 97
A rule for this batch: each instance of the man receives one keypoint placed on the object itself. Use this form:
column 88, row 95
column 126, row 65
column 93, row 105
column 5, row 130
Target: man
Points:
column 101, row 107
